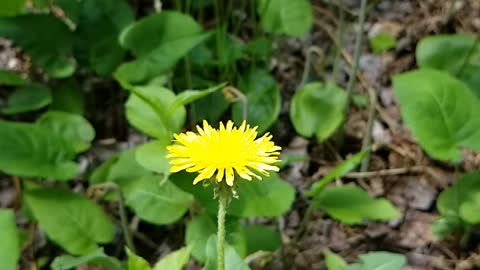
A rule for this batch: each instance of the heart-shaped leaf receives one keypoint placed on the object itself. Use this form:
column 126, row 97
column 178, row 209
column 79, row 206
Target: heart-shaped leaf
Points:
column 440, row 111
column 263, row 100
column 73, row 216
column 261, row 238
column 152, row 156
column 318, row 109
column 136, row 262
column 290, row 17
column 28, row 98
column 379, row 260
column 158, row 41
column 75, row 129
column 11, row 78
column 352, row 205
column 233, row 261
column 333, row 261
column 10, row 244
column 156, row 200
column 458, row 54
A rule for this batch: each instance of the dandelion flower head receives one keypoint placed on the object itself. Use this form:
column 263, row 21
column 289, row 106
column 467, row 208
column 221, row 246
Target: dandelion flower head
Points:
column 223, row 153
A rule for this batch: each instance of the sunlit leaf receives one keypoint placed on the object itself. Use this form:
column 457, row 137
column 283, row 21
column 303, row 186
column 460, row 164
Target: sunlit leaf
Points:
column 10, row 244
column 28, row 98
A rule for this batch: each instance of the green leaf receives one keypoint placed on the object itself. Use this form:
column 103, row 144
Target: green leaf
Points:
column 11, row 7
column 333, row 261
column 343, row 168
column 68, row 97
column 98, row 28
column 458, row 54
column 75, row 129
column 31, row 150
column 261, row 238
column 28, row 98
column 263, row 98
column 352, row 205
column 73, row 216
column 382, row 42
column 158, row 41
column 10, row 244
column 188, row 96
column 157, row 201
column 98, row 258
column 136, row 262
column 456, row 203
column 260, row 49
column 440, row 111
column 121, row 168
column 379, row 260
column 11, row 78
column 270, row 197
column 152, row 156
column 290, row 17
column 174, row 261
column 211, row 107
column 46, row 39
column 318, row 109
column 232, row 49
column 198, row 231
column 147, row 111
column 233, row 261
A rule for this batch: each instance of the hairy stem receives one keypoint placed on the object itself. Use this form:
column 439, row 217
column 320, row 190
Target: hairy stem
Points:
column 222, row 209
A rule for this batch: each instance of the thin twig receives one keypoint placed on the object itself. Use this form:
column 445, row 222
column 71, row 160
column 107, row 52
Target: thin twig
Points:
column 358, row 51
column 451, row 8
column 308, row 63
column 367, row 139
column 386, row 172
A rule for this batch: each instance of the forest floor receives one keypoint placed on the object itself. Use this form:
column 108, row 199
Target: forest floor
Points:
column 399, row 170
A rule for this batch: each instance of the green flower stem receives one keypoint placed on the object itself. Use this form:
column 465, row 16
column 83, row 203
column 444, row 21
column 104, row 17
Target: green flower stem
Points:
column 222, row 209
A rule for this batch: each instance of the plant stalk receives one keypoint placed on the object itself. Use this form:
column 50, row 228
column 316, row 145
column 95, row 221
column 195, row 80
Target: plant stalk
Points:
column 123, row 220
column 222, row 209
column 358, row 50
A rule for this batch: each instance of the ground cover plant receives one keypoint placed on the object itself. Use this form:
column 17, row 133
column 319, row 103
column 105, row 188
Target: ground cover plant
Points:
column 262, row 134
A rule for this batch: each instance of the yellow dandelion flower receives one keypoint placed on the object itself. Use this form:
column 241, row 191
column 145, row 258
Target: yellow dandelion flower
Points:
column 225, row 152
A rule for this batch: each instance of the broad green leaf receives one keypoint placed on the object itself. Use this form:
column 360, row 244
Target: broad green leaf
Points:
column 152, row 156
column 121, row 168
column 333, row 261
column 469, row 210
column 290, row 17
column 210, row 108
column 136, row 262
column 158, row 41
column 31, row 150
column 73, row 216
column 10, row 244
column 318, row 109
column 157, row 201
column 463, row 194
column 379, row 260
column 98, row 28
column 28, row 98
column 11, row 78
column 440, row 111
column 352, row 205
column 343, row 168
column 382, row 42
column 261, row 238
column 174, row 261
column 198, row 231
column 75, row 129
column 270, row 197
column 147, row 111
column 458, row 54
column 45, row 38
column 263, row 97
column 11, row 7
column 231, row 49
column 98, row 258
column 233, row 261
